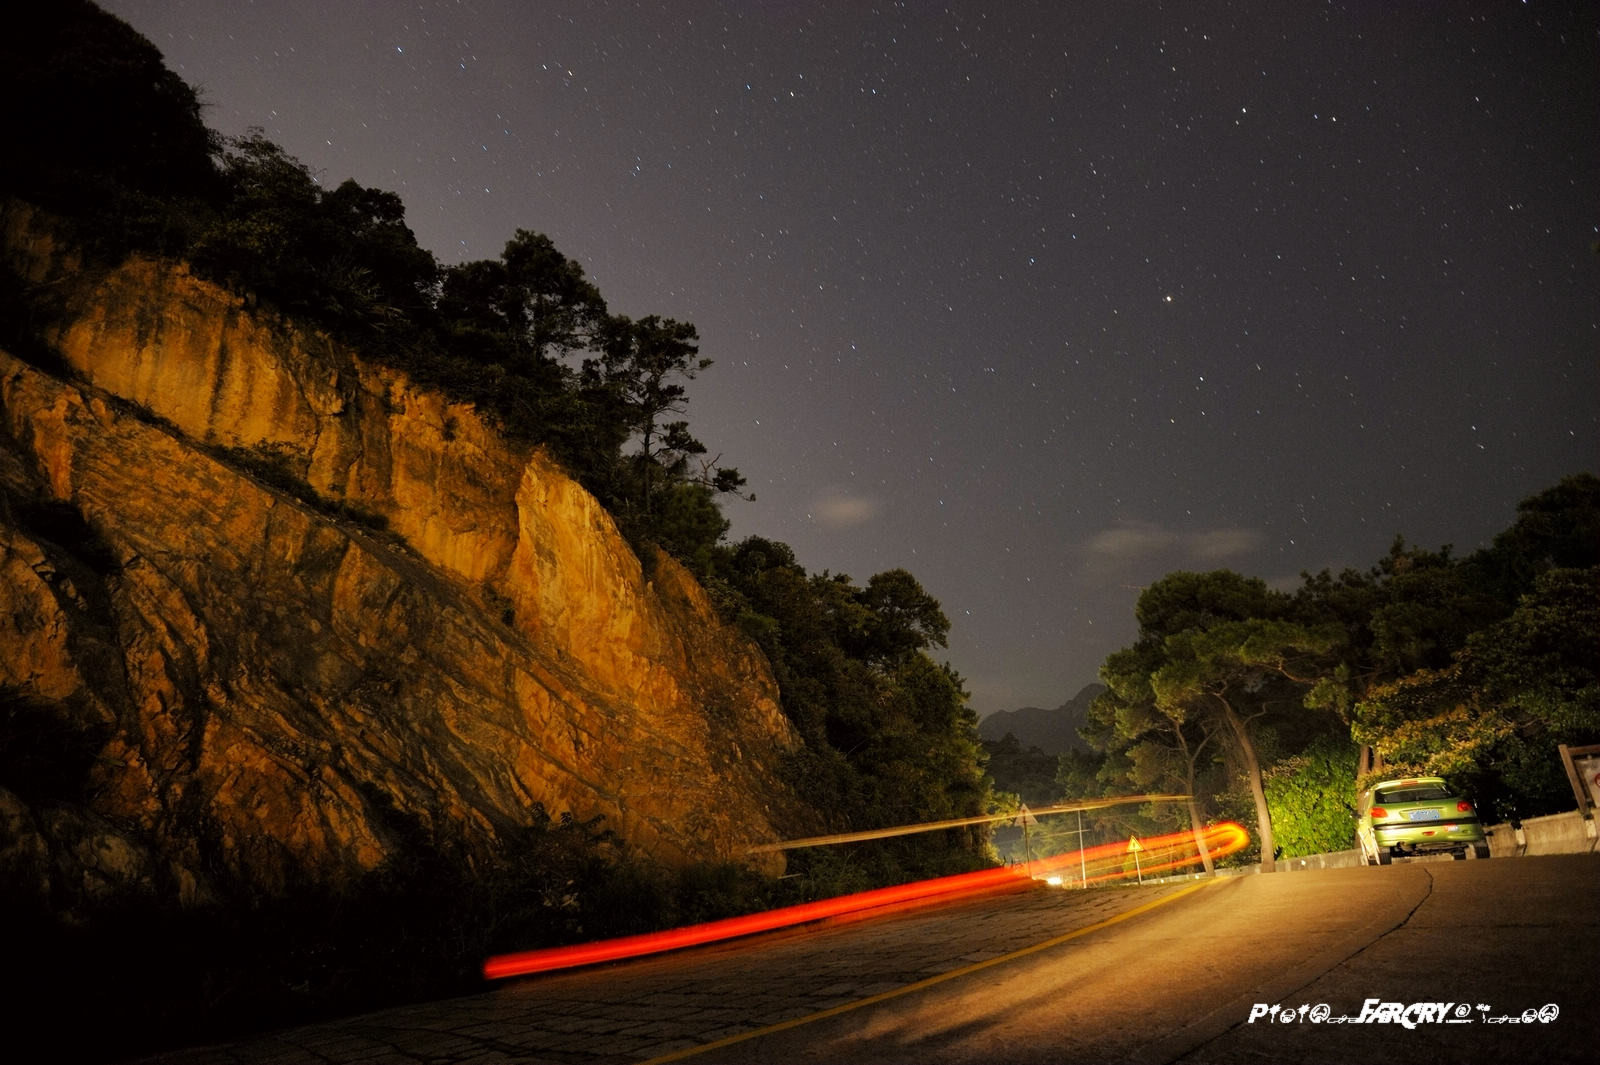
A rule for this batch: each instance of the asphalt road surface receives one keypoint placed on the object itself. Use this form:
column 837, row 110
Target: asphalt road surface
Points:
column 1416, row 962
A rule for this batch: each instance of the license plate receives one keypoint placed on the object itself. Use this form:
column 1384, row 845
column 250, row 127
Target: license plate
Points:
column 1423, row 815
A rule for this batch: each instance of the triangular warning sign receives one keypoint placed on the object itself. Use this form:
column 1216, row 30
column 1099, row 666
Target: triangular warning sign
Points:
column 1134, row 844
column 1025, row 816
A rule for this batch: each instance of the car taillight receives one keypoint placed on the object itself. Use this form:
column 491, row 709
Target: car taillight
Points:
column 1464, row 807
column 1379, row 812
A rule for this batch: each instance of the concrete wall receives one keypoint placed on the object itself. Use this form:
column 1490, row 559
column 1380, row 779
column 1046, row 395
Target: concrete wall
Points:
column 1332, row 860
column 1568, row 833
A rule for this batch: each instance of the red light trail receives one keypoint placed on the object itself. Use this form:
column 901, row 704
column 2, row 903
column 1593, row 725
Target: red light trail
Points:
column 1109, row 861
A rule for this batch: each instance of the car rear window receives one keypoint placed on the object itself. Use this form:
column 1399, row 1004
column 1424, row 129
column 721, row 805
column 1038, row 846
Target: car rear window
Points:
column 1412, row 793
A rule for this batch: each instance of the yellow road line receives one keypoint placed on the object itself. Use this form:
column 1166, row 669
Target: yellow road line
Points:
column 884, row 996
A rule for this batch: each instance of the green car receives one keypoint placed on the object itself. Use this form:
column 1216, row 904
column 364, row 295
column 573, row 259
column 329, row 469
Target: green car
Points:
column 1416, row 815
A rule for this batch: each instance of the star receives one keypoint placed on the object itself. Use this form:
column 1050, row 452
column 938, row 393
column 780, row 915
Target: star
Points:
column 992, row 208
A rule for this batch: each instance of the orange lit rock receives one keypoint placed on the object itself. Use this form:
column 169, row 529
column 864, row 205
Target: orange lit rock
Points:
column 252, row 675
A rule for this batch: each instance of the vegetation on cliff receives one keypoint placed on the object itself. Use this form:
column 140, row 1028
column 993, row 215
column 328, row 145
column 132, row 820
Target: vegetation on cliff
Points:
column 889, row 738
column 102, row 134
column 526, row 338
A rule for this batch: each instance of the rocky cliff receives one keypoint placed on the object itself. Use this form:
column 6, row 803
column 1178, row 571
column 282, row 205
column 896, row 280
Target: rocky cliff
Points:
column 263, row 601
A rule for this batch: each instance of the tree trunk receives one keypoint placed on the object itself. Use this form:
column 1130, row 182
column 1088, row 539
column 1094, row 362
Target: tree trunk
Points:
column 1253, row 769
column 646, row 462
column 1199, row 834
column 1194, row 806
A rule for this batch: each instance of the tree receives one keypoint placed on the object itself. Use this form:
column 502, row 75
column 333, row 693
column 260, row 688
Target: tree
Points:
column 689, row 525
column 344, row 258
column 93, row 115
column 550, row 307
column 1216, row 652
column 258, row 241
column 1557, row 529
column 904, row 618
column 646, row 365
column 1227, row 667
column 1493, row 717
column 1410, row 612
column 1162, row 746
column 1474, row 668
column 368, row 235
column 475, row 305
column 889, row 737
column 1480, row 662
column 527, row 313
column 1028, row 773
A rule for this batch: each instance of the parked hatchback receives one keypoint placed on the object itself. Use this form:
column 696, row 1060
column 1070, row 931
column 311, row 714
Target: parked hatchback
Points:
column 1409, row 816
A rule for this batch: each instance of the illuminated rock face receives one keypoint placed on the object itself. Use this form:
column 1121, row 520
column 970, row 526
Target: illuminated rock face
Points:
column 244, row 678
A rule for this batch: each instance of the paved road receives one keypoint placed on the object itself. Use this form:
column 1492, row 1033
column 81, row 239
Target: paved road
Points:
column 1162, row 974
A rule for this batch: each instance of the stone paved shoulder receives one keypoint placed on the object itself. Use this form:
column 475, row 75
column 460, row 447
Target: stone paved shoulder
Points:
column 634, row 1011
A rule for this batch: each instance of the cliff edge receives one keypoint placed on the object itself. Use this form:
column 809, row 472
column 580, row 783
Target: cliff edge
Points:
column 266, row 607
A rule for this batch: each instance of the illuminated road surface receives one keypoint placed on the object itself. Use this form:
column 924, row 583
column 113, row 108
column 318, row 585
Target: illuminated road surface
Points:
column 1156, row 974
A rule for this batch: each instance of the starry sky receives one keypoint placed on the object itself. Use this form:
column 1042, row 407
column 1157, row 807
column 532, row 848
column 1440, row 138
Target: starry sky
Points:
column 1038, row 300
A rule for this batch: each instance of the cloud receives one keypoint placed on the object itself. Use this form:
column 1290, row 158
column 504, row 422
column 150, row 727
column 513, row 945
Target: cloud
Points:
column 1218, row 545
column 1130, row 541
column 838, row 510
column 1136, row 543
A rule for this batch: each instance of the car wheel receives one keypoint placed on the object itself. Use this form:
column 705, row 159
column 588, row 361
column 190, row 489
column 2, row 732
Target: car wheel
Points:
column 1480, row 850
column 1384, row 856
column 1459, row 856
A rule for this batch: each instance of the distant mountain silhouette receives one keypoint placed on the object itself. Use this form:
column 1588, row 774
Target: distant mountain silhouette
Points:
column 1052, row 731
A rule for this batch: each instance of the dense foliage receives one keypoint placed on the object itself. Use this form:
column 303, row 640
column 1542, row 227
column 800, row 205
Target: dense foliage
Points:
column 102, row 134
column 1266, row 704
column 889, row 738
column 95, row 125
column 1028, row 773
column 1307, row 793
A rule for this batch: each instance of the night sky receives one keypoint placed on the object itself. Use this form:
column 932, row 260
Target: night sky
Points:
column 1040, row 301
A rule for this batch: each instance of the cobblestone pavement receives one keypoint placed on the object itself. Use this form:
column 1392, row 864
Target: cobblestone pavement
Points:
column 640, row 1010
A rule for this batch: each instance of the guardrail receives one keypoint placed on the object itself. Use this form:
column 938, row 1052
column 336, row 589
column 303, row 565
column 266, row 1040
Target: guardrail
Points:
column 1568, row 833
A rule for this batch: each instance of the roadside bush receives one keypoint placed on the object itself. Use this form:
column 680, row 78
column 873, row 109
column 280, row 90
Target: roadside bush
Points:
column 1310, row 796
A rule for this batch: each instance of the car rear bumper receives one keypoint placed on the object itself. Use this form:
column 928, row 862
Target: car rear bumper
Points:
column 1433, row 836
